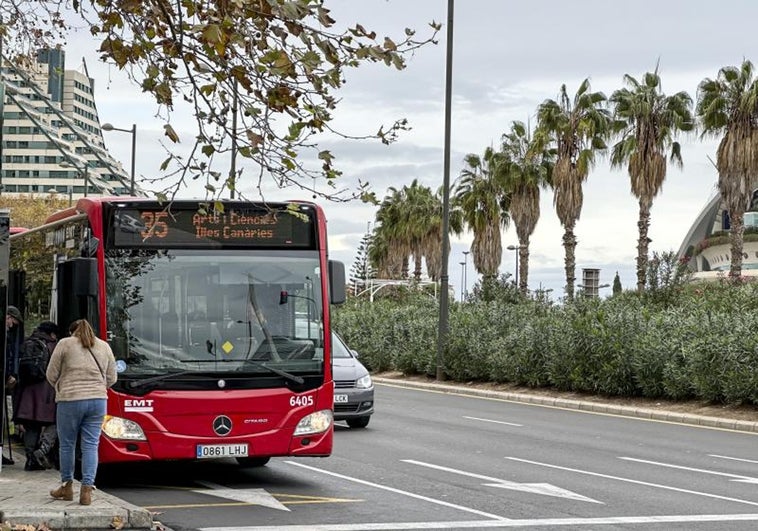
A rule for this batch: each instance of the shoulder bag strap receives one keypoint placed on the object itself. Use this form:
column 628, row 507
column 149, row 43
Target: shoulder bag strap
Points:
column 102, row 373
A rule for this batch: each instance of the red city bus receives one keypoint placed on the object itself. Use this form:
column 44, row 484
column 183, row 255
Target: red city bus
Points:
column 219, row 321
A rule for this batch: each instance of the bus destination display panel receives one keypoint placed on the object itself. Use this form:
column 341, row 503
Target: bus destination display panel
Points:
column 153, row 228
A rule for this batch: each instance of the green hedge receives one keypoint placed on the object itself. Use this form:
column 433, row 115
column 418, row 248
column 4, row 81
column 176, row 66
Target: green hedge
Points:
column 704, row 345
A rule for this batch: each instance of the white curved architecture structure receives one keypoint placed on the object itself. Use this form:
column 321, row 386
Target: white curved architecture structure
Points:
column 707, row 242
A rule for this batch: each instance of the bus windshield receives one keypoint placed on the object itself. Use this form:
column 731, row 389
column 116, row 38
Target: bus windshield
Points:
column 213, row 312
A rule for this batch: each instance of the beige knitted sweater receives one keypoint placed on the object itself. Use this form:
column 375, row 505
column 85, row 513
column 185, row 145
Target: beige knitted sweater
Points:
column 73, row 373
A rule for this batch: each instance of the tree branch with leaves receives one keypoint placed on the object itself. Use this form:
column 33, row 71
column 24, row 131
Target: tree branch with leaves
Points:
column 280, row 62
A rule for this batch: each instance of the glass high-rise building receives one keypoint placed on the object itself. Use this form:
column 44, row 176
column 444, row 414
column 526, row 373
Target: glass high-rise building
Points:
column 51, row 140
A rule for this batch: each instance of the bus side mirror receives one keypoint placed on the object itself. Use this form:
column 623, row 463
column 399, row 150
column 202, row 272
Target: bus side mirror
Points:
column 337, row 293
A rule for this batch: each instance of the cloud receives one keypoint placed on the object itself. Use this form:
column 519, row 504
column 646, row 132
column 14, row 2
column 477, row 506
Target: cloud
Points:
column 508, row 57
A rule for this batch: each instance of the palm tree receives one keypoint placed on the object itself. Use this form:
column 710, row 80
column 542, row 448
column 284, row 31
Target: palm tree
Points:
column 409, row 224
column 647, row 120
column 577, row 129
column 433, row 246
column 728, row 106
column 527, row 167
column 422, row 218
column 386, row 263
column 480, row 196
column 390, row 251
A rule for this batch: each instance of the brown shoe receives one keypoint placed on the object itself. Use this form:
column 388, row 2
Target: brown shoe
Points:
column 64, row 492
column 85, row 495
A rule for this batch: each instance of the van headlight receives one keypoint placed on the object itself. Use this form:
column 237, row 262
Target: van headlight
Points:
column 317, row 422
column 125, row 429
column 364, row 383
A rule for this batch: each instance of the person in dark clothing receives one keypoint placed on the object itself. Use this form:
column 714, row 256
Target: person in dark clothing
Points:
column 14, row 334
column 35, row 407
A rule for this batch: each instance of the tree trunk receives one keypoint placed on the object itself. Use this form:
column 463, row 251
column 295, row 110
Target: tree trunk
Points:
column 523, row 266
column 736, row 239
column 569, row 244
column 643, row 224
column 417, row 267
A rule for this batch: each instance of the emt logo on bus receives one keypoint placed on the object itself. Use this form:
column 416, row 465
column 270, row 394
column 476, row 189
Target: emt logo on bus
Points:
column 138, row 404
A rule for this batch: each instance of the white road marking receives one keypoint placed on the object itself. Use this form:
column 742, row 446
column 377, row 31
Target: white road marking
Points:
column 637, row 482
column 398, row 491
column 534, row 488
column 495, row 421
column 734, row 458
column 735, row 477
column 252, row 496
column 462, row 393
column 494, row 524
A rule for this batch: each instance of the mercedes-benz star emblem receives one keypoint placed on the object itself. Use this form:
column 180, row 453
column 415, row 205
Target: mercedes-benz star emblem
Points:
column 222, row 425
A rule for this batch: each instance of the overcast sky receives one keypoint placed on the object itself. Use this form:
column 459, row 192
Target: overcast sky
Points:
column 508, row 57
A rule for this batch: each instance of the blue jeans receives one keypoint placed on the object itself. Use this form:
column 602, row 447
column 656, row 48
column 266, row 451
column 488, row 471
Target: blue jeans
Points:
column 80, row 418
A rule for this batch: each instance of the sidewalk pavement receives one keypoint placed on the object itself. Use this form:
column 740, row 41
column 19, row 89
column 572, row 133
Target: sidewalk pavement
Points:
column 25, row 498
column 25, row 501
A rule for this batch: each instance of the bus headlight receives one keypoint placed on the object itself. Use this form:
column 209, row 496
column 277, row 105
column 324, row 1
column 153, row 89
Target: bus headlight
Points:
column 364, row 383
column 317, row 422
column 118, row 428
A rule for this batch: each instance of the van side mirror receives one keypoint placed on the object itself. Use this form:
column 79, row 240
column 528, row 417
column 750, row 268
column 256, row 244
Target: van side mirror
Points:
column 337, row 292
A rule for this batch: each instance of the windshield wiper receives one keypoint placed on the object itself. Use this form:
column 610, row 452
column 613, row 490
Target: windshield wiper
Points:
column 279, row 372
column 139, row 383
column 284, row 374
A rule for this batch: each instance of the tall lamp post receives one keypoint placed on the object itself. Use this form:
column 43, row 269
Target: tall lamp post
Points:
column 465, row 272
column 463, row 278
column 444, row 321
column 515, row 248
column 133, row 131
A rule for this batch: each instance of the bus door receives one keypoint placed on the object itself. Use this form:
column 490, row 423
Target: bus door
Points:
column 76, row 288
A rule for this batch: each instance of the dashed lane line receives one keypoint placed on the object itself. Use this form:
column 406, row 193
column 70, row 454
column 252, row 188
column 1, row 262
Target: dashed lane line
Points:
column 635, row 481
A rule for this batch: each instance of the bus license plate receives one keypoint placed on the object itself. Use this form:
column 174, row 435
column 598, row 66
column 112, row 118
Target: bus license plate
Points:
column 340, row 399
column 207, row 451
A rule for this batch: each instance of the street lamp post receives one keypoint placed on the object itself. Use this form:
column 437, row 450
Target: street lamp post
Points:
column 133, row 131
column 465, row 272
column 444, row 320
column 463, row 278
column 515, row 248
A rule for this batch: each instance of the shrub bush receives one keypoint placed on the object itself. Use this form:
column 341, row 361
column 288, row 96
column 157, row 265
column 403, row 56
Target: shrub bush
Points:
column 697, row 342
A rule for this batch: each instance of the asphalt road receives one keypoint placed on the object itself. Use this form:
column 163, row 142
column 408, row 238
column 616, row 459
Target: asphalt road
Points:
column 437, row 461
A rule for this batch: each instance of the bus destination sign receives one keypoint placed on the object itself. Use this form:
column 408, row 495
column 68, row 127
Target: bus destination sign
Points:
column 241, row 227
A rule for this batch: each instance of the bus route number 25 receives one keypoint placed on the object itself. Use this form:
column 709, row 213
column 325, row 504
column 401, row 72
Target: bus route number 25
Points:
column 155, row 224
column 301, row 401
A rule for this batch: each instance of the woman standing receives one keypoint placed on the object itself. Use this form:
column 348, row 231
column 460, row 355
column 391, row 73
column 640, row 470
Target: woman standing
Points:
column 34, row 405
column 81, row 369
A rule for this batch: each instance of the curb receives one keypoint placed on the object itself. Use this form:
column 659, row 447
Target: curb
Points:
column 581, row 405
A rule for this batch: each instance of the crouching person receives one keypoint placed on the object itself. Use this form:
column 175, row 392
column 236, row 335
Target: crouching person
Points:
column 34, row 406
column 81, row 369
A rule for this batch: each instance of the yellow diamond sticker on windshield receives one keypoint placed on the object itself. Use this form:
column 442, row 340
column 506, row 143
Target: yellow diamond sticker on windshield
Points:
column 228, row 347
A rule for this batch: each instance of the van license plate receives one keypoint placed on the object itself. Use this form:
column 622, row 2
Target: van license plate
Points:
column 208, row 451
column 340, row 399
